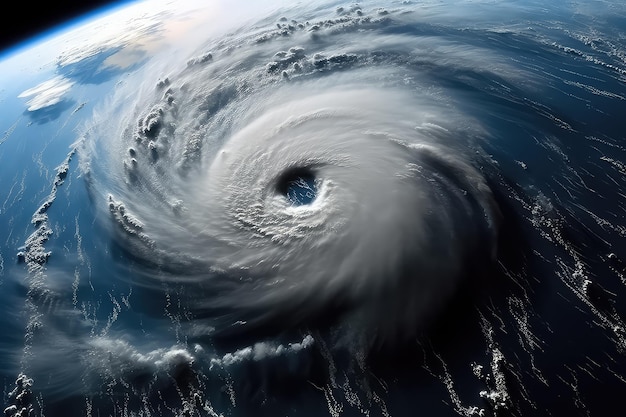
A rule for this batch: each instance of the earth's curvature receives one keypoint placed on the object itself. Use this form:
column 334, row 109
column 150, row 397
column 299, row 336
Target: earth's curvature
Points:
column 383, row 208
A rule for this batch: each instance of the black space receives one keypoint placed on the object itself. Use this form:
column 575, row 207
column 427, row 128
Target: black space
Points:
column 26, row 19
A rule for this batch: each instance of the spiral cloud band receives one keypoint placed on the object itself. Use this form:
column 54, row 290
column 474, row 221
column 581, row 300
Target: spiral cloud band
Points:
column 394, row 216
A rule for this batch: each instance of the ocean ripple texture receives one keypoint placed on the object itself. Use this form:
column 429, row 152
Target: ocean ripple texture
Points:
column 342, row 209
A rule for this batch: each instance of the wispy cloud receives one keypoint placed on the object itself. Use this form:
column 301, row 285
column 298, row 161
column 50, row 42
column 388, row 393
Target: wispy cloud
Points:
column 47, row 94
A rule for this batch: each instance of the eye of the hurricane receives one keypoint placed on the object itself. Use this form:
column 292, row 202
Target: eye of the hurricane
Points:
column 298, row 186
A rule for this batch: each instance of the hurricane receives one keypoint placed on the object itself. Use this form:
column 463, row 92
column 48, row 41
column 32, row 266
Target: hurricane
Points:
column 344, row 209
column 300, row 186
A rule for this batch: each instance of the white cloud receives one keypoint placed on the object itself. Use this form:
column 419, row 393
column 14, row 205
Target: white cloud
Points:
column 262, row 351
column 47, row 93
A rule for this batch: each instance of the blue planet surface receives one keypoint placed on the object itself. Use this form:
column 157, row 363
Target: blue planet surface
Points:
column 317, row 208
